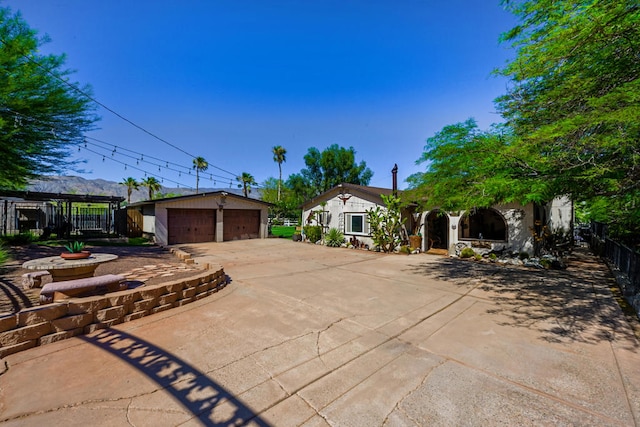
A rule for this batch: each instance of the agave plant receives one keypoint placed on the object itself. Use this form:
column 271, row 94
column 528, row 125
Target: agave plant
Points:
column 334, row 238
column 74, row 247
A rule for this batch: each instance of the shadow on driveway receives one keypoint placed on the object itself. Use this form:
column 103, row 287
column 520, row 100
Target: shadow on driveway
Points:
column 568, row 304
column 193, row 389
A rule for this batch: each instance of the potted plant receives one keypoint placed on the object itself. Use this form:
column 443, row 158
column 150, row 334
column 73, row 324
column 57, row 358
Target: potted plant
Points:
column 415, row 239
column 75, row 250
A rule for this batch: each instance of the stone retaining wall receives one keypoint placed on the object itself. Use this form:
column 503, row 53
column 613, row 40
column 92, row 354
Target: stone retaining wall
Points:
column 45, row 324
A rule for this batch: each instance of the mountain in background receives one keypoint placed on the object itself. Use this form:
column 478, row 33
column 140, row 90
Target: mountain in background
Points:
column 101, row 187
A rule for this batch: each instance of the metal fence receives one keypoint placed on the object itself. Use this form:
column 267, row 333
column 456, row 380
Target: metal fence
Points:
column 624, row 261
column 45, row 218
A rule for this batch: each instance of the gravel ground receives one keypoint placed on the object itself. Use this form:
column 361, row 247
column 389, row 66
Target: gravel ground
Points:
column 13, row 298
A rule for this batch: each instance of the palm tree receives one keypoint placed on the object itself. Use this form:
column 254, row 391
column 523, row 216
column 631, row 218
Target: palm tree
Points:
column 279, row 157
column 200, row 165
column 246, row 181
column 131, row 185
column 152, row 185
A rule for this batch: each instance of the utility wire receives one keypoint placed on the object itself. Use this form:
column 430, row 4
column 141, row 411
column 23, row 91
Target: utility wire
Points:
column 85, row 94
column 113, row 148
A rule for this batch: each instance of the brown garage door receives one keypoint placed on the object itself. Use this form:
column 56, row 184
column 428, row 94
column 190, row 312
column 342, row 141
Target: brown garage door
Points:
column 191, row 225
column 241, row 224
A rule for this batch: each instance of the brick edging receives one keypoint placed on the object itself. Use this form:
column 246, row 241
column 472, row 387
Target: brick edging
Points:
column 49, row 323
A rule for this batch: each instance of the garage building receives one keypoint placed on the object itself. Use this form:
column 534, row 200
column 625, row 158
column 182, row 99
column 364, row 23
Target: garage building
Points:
column 208, row 217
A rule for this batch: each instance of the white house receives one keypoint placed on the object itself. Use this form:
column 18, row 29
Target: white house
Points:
column 207, row 217
column 345, row 207
column 508, row 227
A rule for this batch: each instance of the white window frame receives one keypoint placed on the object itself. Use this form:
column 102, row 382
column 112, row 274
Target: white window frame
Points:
column 348, row 224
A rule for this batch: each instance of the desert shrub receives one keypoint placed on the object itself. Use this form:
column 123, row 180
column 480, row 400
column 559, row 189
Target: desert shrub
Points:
column 4, row 255
column 478, row 257
column 385, row 224
column 313, row 232
column 22, row 239
column 493, row 256
column 334, row 238
column 546, row 263
column 467, row 253
column 404, row 249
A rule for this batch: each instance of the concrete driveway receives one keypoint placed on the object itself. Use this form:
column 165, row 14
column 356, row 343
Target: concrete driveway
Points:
column 316, row 336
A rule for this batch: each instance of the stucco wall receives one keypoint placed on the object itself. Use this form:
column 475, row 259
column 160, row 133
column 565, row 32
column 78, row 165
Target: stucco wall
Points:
column 148, row 219
column 560, row 214
column 337, row 209
column 519, row 221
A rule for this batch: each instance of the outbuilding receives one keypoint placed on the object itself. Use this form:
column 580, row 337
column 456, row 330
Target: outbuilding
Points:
column 207, row 217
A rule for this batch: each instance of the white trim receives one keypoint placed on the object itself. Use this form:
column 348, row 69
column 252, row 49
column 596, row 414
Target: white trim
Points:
column 349, row 224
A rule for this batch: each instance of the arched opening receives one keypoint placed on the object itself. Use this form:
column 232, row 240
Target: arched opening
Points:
column 484, row 224
column 437, row 230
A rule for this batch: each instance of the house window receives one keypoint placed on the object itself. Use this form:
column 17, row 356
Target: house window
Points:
column 356, row 223
column 483, row 224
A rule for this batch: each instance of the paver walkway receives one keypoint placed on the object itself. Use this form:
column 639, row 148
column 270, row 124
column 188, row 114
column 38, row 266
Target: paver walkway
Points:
column 316, row 336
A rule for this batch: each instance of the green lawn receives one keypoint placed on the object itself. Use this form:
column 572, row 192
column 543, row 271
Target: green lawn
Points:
column 283, row 231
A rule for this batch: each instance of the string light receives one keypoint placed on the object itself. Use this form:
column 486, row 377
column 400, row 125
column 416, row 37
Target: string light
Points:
column 101, row 145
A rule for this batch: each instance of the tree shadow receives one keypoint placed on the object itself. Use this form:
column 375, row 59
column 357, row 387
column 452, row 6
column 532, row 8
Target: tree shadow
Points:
column 192, row 388
column 16, row 296
column 575, row 304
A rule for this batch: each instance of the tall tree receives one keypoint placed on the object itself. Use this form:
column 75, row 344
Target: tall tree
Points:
column 468, row 167
column 200, row 165
column 573, row 104
column 333, row 166
column 152, row 185
column 279, row 157
column 41, row 116
column 287, row 206
column 131, row 185
column 246, row 180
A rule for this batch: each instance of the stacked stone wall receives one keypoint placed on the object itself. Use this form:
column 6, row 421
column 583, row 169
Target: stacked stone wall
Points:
column 45, row 324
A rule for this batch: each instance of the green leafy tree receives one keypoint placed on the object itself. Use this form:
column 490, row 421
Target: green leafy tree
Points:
column 331, row 167
column 279, row 156
column 200, row 165
column 152, row 185
column 468, row 167
column 287, row 206
column 573, row 105
column 385, row 224
column 131, row 185
column 41, row 116
column 299, row 187
column 246, row 180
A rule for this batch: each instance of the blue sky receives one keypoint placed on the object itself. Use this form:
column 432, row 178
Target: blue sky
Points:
column 228, row 80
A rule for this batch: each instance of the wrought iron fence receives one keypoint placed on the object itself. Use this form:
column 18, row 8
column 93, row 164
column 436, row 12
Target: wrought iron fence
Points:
column 623, row 260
